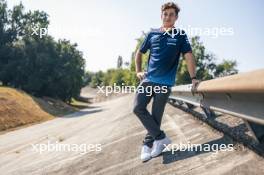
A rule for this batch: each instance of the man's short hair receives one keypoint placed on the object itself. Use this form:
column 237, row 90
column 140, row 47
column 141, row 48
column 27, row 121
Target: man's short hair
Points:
column 169, row 5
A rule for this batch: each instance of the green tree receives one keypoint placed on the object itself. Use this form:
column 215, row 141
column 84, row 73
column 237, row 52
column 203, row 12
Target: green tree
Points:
column 227, row 67
column 40, row 66
column 206, row 65
column 97, row 79
column 88, row 77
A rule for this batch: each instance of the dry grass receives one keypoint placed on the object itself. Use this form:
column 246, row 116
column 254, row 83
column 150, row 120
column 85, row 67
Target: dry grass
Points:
column 20, row 109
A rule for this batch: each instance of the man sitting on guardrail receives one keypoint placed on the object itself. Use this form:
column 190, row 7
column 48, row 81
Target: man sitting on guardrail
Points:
column 165, row 45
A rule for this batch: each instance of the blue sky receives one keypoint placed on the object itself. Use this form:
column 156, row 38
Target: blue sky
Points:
column 108, row 28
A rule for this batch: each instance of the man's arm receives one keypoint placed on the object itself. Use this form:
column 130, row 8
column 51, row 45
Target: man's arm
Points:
column 138, row 62
column 191, row 65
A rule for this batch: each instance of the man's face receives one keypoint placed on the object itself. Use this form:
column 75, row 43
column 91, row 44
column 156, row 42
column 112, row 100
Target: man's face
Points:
column 168, row 17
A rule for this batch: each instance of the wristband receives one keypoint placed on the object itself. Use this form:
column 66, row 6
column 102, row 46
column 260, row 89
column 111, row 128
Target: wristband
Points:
column 193, row 78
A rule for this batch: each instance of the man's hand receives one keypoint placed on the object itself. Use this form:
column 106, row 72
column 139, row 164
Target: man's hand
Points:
column 195, row 83
column 141, row 75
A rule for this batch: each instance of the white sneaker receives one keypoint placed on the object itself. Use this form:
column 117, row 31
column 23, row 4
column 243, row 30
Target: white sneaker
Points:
column 159, row 145
column 145, row 153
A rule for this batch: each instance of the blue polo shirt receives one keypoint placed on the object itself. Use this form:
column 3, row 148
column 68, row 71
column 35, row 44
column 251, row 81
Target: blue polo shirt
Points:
column 165, row 49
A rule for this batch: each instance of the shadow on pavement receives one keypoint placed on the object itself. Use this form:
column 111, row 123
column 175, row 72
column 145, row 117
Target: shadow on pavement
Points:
column 214, row 146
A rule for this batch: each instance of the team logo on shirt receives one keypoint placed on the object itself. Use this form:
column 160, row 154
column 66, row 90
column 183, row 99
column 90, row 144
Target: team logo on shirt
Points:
column 171, row 41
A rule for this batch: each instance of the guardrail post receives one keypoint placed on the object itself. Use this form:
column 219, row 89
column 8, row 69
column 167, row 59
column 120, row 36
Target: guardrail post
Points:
column 257, row 131
column 208, row 112
column 190, row 106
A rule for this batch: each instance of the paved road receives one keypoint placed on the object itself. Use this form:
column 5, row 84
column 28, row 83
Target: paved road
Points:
column 113, row 125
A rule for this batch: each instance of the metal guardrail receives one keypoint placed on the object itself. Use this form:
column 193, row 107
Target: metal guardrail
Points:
column 240, row 95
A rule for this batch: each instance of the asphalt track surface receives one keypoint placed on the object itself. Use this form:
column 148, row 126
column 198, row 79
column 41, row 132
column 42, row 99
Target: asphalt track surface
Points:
column 119, row 133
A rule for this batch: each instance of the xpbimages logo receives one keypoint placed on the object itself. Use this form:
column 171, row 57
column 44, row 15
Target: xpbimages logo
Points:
column 198, row 147
column 149, row 90
column 63, row 147
column 212, row 32
column 37, row 31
